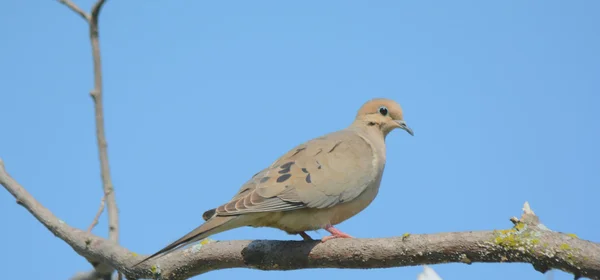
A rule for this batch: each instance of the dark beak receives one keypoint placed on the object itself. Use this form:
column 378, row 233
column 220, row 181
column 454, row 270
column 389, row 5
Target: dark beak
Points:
column 402, row 125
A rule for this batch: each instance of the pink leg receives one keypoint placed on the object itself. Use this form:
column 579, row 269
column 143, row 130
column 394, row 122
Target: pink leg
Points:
column 335, row 233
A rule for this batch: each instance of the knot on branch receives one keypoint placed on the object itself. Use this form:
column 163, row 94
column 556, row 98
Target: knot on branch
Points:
column 527, row 218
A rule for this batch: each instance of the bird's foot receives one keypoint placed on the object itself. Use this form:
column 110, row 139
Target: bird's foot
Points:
column 335, row 233
column 305, row 236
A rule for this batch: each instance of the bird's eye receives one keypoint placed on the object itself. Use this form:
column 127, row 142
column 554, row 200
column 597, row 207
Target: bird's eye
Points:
column 383, row 110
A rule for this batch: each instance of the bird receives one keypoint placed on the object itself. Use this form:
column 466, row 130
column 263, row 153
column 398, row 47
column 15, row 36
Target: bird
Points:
column 315, row 185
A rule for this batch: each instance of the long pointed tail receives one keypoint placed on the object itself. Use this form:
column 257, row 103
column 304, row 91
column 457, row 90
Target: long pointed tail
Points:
column 212, row 226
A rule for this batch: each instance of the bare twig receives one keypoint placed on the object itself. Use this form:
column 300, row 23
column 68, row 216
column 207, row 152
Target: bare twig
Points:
column 96, row 10
column 97, row 96
column 75, row 9
column 97, row 217
column 96, row 93
column 526, row 243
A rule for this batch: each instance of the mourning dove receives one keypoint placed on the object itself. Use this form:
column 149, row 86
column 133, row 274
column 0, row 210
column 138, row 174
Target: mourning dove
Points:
column 316, row 185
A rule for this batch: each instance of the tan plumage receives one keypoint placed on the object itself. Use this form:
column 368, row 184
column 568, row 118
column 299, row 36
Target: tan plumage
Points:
column 315, row 185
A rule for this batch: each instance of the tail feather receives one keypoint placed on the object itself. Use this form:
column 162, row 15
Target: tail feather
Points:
column 210, row 227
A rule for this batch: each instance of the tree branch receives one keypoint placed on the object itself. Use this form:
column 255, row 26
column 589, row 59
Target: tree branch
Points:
column 527, row 242
column 75, row 9
column 97, row 217
column 96, row 10
column 96, row 94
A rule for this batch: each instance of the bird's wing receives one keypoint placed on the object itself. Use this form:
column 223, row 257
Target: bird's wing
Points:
column 320, row 173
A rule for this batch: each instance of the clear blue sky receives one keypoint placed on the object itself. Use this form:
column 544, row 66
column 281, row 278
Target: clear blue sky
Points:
column 502, row 97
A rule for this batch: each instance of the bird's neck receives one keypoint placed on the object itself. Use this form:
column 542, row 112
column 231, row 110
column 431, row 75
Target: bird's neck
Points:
column 373, row 135
column 372, row 131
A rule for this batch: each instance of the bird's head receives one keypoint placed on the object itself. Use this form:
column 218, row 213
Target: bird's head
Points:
column 384, row 114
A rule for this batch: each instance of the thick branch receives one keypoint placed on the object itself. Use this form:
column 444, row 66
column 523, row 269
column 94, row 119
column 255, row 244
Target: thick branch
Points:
column 527, row 242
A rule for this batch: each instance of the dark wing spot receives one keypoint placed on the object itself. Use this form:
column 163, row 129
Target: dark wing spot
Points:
column 208, row 214
column 304, row 170
column 335, row 146
column 287, row 165
column 285, row 168
column 318, row 165
column 308, row 179
column 299, row 150
column 264, row 179
column 283, row 177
